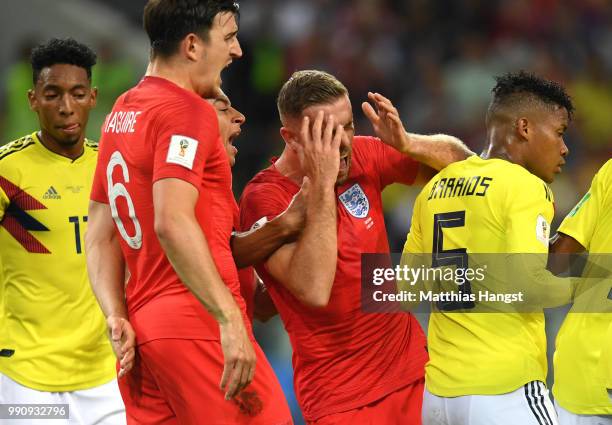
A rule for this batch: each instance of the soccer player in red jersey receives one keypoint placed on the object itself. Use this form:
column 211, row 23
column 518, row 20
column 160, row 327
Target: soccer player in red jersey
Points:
column 350, row 367
column 253, row 247
column 160, row 198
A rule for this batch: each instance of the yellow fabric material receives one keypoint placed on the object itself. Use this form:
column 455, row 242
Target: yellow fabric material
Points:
column 51, row 318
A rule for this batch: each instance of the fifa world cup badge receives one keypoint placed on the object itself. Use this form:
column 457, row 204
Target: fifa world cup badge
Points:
column 183, row 145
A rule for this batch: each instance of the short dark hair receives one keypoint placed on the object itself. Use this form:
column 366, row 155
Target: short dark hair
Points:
column 61, row 51
column 307, row 88
column 167, row 22
column 512, row 87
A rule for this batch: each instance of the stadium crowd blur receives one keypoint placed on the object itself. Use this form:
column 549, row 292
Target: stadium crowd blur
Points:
column 434, row 59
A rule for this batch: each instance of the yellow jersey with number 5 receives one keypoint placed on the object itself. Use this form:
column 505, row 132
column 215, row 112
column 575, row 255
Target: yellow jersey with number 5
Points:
column 53, row 333
column 494, row 207
column 580, row 386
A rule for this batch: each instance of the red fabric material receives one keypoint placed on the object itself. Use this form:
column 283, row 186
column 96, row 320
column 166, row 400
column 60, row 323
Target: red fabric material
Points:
column 344, row 358
column 401, row 407
column 176, row 381
column 160, row 305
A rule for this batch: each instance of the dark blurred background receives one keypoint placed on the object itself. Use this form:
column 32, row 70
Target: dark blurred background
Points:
column 434, row 59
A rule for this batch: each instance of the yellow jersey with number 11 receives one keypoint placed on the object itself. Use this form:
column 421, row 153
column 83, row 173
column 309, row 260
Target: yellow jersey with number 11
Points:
column 53, row 333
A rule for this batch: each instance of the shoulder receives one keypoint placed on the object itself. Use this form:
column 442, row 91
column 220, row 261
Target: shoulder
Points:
column 366, row 144
column 268, row 181
column 183, row 101
column 91, row 145
column 605, row 173
column 13, row 150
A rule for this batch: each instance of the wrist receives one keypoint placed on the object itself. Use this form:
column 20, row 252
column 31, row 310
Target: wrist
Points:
column 408, row 144
column 282, row 225
column 229, row 317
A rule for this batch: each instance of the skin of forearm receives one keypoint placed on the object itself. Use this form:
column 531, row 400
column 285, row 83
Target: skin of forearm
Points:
column 254, row 247
column 106, row 269
column 561, row 248
column 179, row 234
column 538, row 284
column 436, row 151
column 313, row 263
column 105, row 263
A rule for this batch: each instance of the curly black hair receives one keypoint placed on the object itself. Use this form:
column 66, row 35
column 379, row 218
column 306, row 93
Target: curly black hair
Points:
column 61, row 51
column 549, row 92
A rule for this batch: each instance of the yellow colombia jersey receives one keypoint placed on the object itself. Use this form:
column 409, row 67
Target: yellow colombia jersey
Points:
column 483, row 206
column 579, row 385
column 52, row 320
column 606, row 360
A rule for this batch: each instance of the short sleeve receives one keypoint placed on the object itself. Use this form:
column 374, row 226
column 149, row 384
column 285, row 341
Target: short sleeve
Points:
column 185, row 137
column 261, row 201
column 98, row 187
column 392, row 166
column 414, row 241
column 4, row 200
column 6, row 187
column 529, row 213
column 582, row 220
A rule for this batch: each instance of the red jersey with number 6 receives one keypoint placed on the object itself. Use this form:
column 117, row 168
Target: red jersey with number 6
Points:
column 158, row 130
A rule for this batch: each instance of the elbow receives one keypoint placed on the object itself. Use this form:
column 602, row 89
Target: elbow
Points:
column 318, row 296
column 163, row 227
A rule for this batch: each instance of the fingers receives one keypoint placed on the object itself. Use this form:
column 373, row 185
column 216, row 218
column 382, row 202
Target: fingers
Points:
column 304, row 130
column 384, row 105
column 338, row 136
column 329, row 131
column 228, row 369
column 370, row 113
column 245, row 378
column 116, row 329
column 316, row 129
column 234, row 381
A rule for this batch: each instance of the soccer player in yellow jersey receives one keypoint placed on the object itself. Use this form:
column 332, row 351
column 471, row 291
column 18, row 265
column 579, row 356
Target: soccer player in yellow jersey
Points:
column 485, row 368
column 580, row 388
column 54, row 349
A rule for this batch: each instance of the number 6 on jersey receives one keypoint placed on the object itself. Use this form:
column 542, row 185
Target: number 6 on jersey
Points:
column 116, row 190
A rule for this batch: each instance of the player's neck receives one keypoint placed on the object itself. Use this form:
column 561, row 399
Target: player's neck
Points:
column 502, row 150
column 171, row 72
column 69, row 151
column 288, row 165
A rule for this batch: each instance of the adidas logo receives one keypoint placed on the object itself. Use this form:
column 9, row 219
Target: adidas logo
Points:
column 51, row 193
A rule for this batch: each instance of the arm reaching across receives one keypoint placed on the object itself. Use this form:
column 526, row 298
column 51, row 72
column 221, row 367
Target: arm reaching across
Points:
column 255, row 246
column 434, row 152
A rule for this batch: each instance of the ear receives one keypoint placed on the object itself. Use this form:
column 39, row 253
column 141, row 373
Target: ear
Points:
column 523, row 128
column 93, row 100
column 287, row 135
column 32, row 100
column 191, row 47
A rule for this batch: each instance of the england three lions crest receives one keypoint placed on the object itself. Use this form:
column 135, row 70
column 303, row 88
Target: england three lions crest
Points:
column 355, row 201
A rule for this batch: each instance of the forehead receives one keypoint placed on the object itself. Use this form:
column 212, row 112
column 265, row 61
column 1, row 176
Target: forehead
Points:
column 63, row 75
column 226, row 22
column 555, row 115
column 340, row 108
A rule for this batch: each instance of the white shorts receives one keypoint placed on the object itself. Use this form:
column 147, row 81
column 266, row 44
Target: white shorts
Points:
column 529, row 405
column 568, row 418
column 100, row 405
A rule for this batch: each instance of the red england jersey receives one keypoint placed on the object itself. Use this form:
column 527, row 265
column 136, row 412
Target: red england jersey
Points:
column 158, row 130
column 344, row 358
